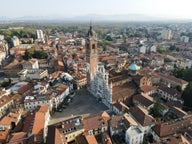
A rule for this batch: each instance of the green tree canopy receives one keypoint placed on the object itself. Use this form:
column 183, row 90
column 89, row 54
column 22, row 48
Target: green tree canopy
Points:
column 187, row 95
column 35, row 54
column 185, row 74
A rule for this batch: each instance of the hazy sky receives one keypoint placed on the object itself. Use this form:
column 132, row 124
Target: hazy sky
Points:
column 70, row 8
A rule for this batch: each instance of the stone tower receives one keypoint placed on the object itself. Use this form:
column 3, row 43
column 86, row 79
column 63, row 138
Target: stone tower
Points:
column 91, row 54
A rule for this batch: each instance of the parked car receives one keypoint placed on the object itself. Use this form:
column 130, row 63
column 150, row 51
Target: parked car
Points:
column 59, row 110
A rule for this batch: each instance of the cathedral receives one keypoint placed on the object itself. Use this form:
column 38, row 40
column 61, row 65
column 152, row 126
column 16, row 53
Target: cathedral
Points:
column 97, row 76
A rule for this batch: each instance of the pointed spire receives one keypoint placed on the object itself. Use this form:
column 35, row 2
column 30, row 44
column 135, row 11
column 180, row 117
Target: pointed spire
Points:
column 91, row 25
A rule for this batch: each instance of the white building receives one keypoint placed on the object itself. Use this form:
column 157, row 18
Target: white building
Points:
column 185, row 39
column 6, row 103
column 33, row 74
column 1, row 37
column 80, row 41
column 15, row 41
column 31, row 64
column 44, row 64
column 142, row 49
column 184, row 63
column 153, row 48
column 32, row 102
column 2, row 56
column 166, row 34
column 63, row 92
column 43, row 95
column 40, row 34
column 134, row 135
column 66, row 76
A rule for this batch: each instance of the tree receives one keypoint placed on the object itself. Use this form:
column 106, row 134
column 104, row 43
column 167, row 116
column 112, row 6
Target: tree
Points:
column 172, row 48
column 28, row 54
column 156, row 109
column 187, row 96
column 161, row 50
column 35, row 54
column 185, row 74
column 178, row 88
column 6, row 83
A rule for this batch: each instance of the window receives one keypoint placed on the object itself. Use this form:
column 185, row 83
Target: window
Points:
column 93, row 46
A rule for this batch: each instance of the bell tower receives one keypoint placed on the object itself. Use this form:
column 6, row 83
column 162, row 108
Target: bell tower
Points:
column 91, row 54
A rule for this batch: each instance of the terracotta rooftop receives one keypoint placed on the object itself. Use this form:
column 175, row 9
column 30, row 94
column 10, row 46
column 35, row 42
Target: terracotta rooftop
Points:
column 129, row 121
column 17, row 138
column 143, row 99
column 178, row 111
column 81, row 139
column 146, row 89
column 25, row 88
column 141, row 116
column 123, row 92
column 4, row 100
column 67, row 125
column 174, row 79
column 54, row 136
column 4, row 135
column 91, row 139
column 38, row 125
column 11, row 117
column 106, row 138
column 95, row 121
column 29, row 62
column 28, row 123
column 121, row 106
column 16, row 97
column 115, row 122
column 169, row 128
column 56, row 74
column 43, row 108
column 61, row 87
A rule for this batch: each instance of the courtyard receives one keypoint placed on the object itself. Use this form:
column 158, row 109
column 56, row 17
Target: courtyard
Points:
column 83, row 104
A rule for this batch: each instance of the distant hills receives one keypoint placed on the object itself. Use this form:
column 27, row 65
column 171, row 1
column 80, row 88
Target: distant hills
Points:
column 95, row 17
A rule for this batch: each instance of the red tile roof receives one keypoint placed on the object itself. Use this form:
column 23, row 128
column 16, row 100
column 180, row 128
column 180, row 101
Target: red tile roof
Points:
column 91, row 139
column 28, row 123
column 55, row 137
column 141, row 116
column 143, row 100
column 169, row 128
column 43, row 108
column 18, row 137
column 4, row 135
column 96, row 121
column 39, row 122
column 147, row 89
column 123, row 92
column 25, row 88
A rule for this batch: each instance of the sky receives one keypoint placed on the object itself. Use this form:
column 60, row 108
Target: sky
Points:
column 72, row 8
